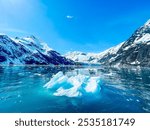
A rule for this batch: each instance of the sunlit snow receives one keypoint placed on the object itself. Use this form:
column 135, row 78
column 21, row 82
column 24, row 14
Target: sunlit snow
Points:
column 73, row 86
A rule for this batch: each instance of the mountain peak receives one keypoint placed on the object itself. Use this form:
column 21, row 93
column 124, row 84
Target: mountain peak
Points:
column 4, row 36
column 32, row 37
column 134, row 51
column 31, row 40
column 29, row 50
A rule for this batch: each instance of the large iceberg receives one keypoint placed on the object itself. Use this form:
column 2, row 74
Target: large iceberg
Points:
column 73, row 86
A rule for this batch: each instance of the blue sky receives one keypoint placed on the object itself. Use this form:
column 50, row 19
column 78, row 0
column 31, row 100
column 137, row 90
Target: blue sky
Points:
column 69, row 25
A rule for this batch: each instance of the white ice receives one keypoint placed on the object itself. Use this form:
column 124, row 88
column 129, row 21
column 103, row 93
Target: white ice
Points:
column 73, row 86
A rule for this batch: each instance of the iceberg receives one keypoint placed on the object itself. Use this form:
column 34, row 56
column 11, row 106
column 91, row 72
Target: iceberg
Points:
column 73, row 86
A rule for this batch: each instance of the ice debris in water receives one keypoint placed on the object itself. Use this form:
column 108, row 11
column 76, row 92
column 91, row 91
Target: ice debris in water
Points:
column 73, row 86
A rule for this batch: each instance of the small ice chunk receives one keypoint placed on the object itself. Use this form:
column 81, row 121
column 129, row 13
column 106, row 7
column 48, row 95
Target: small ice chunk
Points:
column 93, row 85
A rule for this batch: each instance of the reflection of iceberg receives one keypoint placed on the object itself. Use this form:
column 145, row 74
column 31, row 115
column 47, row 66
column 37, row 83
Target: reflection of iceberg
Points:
column 73, row 86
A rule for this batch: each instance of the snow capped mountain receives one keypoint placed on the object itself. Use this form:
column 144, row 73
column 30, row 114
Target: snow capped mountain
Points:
column 82, row 57
column 29, row 50
column 134, row 51
column 93, row 58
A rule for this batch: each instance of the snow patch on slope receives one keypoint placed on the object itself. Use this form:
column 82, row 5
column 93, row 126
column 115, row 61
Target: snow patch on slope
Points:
column 147, row 23
column 145, row 39
column 28, row 50
column 33, row 44
column 92, row 57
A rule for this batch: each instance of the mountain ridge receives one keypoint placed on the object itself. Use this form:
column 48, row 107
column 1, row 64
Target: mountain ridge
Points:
column 134, row 51
column 28, row 51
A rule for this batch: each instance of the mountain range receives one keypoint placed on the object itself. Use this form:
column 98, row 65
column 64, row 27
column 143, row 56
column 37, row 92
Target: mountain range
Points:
column 30, row 50
column 135, row 51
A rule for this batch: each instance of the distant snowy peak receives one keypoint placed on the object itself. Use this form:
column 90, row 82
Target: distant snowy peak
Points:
column 92, row 58
column 82, row 57
column 28, row 50
column 77, row 56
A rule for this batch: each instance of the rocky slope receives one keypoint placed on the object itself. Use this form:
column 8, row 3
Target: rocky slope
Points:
column 134, row 51
column 29, row 50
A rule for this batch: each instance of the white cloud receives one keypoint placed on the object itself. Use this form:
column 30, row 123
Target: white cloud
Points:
column 69, row 17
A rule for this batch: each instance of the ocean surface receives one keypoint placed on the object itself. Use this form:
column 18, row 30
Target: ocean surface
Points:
column 45, row 89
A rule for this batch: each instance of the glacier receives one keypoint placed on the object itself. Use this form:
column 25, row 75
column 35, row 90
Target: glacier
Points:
column 73, row 86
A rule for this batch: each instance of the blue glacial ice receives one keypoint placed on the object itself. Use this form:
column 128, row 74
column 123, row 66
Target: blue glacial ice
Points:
column 73, row 86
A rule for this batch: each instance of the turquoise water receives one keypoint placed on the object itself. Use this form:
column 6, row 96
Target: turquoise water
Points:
column 121, row 90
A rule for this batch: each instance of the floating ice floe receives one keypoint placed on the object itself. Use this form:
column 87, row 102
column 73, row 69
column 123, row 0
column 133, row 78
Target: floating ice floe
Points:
column 73, row 86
